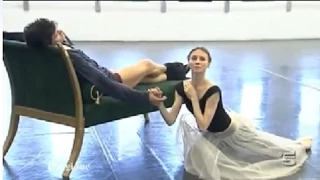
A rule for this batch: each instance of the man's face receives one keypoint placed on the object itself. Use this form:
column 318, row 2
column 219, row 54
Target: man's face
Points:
column 58, row 37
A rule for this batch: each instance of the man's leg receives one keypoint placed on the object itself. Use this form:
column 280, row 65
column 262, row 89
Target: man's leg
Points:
column 154, row 79
column 174, row 67
column 133, row 75
column 157, row 72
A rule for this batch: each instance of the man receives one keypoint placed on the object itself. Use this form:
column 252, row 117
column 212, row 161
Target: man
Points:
column 43, row 33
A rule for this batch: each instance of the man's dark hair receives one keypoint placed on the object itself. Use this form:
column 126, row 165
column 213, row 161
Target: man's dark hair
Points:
column 39, row 33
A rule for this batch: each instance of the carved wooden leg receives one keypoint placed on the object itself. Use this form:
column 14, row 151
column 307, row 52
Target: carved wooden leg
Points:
column 14, row 122
column 77, row 144
column 146, row 118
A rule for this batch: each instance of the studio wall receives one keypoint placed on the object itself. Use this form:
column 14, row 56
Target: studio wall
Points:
column 171, row 21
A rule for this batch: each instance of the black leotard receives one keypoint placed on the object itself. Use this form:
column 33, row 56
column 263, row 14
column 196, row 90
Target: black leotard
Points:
column 221, row 120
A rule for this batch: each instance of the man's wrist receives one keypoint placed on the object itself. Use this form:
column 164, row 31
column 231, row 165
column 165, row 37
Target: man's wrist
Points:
column 148, row 96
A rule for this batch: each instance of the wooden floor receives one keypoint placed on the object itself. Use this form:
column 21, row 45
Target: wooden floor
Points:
column 277, row 83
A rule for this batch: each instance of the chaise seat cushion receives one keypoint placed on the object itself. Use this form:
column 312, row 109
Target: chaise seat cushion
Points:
column 110, row 109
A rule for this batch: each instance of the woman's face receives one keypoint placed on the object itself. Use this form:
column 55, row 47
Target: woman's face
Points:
column 199, row 61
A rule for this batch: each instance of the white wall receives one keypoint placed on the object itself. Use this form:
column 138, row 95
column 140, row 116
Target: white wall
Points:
column 143, row 21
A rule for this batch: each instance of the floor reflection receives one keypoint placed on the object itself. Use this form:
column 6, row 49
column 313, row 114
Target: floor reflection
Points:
column 309, row 114
column 251, row 100
column 129, row 126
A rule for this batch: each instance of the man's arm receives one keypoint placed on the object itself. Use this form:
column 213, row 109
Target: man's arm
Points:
column 104, row 84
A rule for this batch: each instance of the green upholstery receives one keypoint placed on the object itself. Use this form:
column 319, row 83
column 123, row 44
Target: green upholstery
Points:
column 41, row 81
column 39, row 77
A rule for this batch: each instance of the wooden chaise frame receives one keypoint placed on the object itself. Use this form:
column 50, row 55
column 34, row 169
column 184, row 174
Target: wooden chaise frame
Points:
column 77, row 122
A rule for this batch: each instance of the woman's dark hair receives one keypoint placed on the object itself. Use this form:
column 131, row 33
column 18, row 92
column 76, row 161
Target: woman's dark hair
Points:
column 205, row 50
column 39, row 33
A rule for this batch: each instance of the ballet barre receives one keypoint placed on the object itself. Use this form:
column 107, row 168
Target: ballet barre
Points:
column 26, row 6
column 97, row 6
column 163, row 6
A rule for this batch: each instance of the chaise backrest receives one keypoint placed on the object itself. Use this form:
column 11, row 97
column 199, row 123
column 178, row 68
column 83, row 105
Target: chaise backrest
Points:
column 43, row 79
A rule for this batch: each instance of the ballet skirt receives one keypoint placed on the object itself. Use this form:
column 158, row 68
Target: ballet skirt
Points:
column 240, row 152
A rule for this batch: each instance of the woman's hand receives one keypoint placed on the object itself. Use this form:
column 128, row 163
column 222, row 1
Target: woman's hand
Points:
column 190, row 91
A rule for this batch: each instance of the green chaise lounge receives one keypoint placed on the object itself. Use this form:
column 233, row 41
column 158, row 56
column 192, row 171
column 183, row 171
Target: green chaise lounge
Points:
column 44, row 86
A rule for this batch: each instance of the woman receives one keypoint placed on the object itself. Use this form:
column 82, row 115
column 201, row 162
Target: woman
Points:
column 222, row 144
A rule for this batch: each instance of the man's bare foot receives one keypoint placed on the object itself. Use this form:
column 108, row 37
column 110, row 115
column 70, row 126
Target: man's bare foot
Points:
column 306, row 142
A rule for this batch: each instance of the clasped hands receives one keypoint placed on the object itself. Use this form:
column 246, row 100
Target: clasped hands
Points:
column 156, row 95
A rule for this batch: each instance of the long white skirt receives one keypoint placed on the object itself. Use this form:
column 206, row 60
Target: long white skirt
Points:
column 241, row 152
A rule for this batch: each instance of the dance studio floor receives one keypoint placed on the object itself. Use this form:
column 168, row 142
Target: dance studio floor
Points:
column 275, row 83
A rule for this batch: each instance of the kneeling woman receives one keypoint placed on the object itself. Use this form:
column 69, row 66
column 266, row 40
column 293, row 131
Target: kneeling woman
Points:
column 222, row 144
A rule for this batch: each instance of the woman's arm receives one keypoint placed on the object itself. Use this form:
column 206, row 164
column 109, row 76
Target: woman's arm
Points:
column 204, row 120
column 170, row 117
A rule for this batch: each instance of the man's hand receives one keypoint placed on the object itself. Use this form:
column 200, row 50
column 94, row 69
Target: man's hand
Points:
column 62, row 36
column 156, row 96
